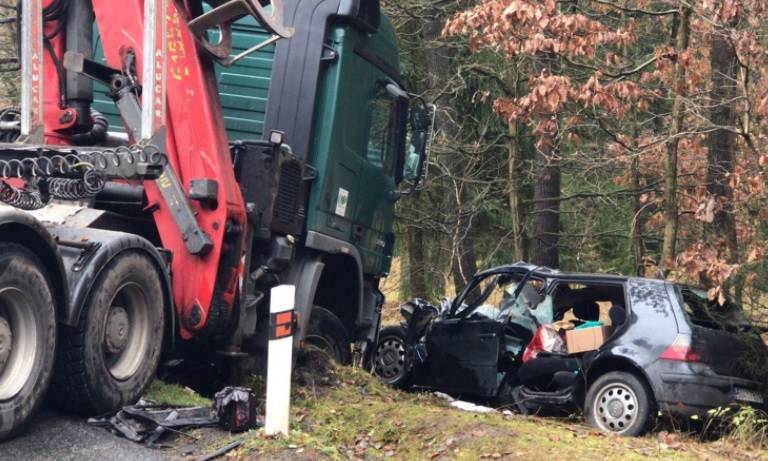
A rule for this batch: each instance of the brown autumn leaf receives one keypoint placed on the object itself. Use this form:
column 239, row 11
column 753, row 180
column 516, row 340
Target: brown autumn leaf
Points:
column 755, row 255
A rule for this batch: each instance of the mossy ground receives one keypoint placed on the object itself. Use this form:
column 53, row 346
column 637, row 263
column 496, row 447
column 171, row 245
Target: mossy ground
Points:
column 342, row 413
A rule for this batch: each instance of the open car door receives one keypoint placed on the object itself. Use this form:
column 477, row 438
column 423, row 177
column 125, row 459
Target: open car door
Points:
column 465, row 347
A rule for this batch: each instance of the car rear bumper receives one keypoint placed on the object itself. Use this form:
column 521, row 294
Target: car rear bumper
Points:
column 688, row 394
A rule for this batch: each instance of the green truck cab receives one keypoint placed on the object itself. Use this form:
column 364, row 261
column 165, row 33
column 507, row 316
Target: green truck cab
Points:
column 335, row 93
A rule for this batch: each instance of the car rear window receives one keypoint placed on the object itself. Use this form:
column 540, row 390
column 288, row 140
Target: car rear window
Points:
column 708, row 313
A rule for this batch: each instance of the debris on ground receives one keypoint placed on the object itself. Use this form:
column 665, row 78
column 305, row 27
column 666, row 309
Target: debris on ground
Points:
column 236, row 409
column 147, row 422
column 221, row 451
column 469, row 406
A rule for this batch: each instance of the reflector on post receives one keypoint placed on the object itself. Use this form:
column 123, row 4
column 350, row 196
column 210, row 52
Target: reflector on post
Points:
column 280, row 359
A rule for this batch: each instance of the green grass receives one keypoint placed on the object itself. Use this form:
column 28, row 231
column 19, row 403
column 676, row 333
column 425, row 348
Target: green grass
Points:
column 358, row 417
column 172, row 394
column 344, row 413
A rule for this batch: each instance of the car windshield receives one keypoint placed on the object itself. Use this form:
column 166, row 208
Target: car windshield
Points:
column 495, row 297
column 709, row 313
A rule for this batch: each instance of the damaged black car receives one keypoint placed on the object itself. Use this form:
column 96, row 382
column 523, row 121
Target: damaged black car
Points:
column 619, row 349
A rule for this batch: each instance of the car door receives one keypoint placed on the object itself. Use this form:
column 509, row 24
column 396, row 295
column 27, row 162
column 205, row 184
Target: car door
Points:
column 463, row 356
column 464, row 349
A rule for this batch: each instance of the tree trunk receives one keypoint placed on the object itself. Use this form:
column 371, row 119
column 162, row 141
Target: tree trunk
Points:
column 417, row 275
column 722, row 141
column 669, row 245
column 465, row 260
column 545, row 249
column 513, row 179
column 638, row 222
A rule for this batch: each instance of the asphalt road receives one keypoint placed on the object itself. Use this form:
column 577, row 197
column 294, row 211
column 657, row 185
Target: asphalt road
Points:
column 52, row 436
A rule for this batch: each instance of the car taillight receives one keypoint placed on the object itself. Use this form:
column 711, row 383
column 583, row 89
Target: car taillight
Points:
column 680, row 350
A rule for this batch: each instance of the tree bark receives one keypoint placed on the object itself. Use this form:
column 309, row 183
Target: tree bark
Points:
column 722, row 141
column 545, row 238
column 465, row 259
column 417, row 275
column 638, row 223
column 545, row 249
column 669, row 245
column 513, row 179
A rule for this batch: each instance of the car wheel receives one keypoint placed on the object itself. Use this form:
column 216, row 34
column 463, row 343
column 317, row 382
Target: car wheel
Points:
column 327, row 334
column 390, row 358
column 110, row 358
column 27, row 337
column 619, row 403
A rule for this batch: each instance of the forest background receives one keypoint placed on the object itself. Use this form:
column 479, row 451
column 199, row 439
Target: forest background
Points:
column 620, row 136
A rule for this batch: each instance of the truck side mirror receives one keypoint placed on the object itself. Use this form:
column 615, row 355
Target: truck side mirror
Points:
column 417, row 154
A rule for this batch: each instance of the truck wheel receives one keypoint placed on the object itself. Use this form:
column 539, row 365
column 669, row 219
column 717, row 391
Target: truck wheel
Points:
column 619, row 403
column 327, row 334
column 27, row 337
column 111, row 357
column 389, row 359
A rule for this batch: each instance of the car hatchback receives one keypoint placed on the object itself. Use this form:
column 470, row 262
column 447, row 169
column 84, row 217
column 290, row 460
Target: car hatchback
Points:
column 666, row 347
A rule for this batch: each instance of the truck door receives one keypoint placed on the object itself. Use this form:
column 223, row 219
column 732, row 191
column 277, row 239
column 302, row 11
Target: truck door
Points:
column 372, row 229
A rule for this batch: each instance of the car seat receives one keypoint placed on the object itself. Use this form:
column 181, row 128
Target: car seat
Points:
column 587, row 311
column 617, row 314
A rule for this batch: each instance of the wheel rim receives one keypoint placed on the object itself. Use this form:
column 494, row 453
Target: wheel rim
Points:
column 324, row 345
column 390, row 359
column 615, row 408
column 18, row 341
column 126, row 331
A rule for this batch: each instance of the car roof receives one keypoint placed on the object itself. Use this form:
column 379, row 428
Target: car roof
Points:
column 546, row 272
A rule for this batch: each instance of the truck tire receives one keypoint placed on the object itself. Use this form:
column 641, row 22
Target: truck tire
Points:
column 111, row 357
column 619, row 403
column 27, row 337
column 390, row 357
column 327, row 333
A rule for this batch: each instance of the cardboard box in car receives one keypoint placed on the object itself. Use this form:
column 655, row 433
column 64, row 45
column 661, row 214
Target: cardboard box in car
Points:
column 586, row 339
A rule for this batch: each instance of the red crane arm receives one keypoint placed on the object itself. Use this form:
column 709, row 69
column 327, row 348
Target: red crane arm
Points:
column 197, row 149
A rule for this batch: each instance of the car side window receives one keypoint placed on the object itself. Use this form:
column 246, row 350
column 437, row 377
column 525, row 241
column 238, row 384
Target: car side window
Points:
column 381, row 146
column 709, row 314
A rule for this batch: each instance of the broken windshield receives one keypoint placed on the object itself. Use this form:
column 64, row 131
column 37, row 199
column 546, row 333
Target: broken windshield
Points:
column 512, row 298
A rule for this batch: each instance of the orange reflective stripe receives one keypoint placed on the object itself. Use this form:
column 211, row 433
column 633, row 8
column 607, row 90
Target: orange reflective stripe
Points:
column 284, row 317
column 282, row 331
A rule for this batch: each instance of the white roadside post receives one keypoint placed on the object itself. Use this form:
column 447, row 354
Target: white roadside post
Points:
column 280, row 359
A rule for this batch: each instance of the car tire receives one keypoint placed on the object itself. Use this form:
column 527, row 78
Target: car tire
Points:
column 110, row 358
column 327, row 333
column 390, row 358
column 619, row 403
column 28, row 325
